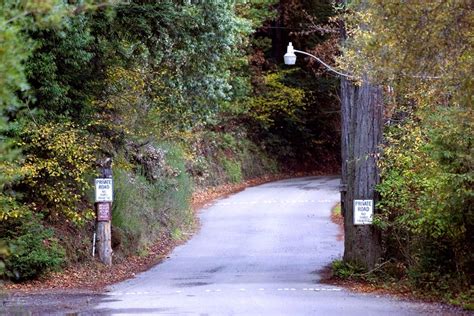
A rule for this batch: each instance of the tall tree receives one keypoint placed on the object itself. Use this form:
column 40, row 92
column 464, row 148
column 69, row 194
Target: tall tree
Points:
column 422, row 53
column 362, row 126
column 362, row 123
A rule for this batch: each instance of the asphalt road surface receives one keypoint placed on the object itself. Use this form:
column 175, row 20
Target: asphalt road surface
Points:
column 259, row 252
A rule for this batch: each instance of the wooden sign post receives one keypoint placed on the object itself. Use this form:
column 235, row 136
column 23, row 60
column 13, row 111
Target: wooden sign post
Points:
column 103, row 207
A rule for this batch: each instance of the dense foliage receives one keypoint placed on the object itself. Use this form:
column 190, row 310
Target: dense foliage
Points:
column 80, row 83
column 33, row 249
column 307, row 137
column 422, row 53
column 178, row 93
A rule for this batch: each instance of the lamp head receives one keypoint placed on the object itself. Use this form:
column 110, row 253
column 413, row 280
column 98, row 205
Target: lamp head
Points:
column 290, row 57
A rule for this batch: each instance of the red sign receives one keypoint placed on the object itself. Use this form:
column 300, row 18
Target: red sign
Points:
column 104, row 212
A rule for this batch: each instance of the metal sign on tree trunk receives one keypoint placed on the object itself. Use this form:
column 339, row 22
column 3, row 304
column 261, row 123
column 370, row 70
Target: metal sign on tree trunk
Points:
column 363, row 212
column 103, row 205
column 104, row 212
column 104, row 188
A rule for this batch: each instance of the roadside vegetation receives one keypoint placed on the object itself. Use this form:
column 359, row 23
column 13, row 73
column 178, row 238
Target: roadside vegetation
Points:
column 421, row 53
column 182, row 96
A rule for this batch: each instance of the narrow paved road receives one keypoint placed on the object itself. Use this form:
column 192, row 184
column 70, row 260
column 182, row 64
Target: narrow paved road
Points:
column 259, row 252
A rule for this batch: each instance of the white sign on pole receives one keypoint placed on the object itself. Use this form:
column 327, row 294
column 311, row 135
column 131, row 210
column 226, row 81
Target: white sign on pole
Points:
column 104, row 190
column 363, row 212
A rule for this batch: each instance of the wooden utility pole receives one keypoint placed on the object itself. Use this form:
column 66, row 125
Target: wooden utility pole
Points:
column 362, row 123
column 104, row 242
column 104, row 197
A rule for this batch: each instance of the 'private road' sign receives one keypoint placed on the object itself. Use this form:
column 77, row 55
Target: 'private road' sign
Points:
column 363, row 212
column 104, row 190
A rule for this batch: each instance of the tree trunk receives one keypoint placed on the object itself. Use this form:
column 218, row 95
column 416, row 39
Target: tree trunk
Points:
column 104, row 242
column 361, row 110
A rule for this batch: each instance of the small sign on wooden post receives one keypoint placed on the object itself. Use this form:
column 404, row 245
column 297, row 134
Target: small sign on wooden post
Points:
column 363, row 212
column 103, row 205
column 104, row 212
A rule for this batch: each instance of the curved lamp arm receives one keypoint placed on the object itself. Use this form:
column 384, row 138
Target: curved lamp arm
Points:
column 290, row 59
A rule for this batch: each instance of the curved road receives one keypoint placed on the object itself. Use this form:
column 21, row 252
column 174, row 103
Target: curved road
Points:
column 259, row 252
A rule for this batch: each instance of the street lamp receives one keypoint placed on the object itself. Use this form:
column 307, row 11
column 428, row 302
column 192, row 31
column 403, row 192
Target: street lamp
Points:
column 290, row 59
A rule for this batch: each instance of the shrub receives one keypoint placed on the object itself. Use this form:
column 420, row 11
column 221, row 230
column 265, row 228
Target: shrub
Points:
column 59, row 161
column 427, row 213
column 346, row 270
column 232, row 169
column 33, row 250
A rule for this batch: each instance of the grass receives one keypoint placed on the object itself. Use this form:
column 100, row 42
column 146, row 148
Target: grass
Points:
column 336, row 210
column 143, row 208
column 233, row 170
column 336, row 215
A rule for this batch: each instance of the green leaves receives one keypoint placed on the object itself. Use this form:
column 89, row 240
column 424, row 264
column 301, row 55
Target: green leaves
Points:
column 32, row 250
column 59, row 159
column 418, row 50
column 277, row 98
column 425, row 191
